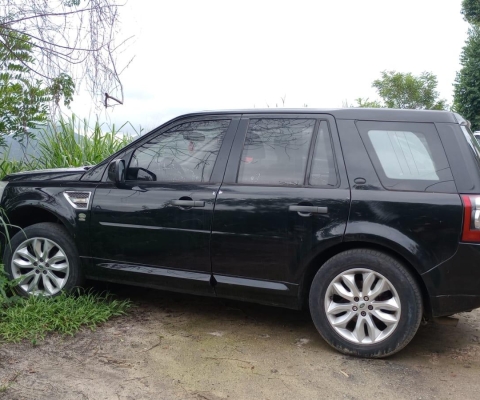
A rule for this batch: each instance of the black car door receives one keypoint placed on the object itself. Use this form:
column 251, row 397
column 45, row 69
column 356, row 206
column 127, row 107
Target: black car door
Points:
column 285, row 199
column 157, row 225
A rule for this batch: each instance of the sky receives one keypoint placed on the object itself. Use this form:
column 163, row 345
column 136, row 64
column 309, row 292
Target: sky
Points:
column 204, row 55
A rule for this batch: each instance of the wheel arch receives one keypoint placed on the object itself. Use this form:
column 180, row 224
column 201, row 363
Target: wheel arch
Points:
column 27, row 215
column 316, row 263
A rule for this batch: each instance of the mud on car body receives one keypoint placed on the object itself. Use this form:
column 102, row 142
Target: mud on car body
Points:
column 369, row 217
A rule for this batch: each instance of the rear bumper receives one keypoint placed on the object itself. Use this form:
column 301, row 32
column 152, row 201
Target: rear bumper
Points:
column 454, row 286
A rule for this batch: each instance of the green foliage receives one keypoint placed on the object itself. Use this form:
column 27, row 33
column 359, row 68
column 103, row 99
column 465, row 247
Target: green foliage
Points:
column 34, row 317
column 73, row 144
column 404, row 90
column 70, row 143
column 6, row 293
column 9, row 166
column 471, row 11
column 367, row 103
column 467, row 82
column 7, row 296
column 23, row 101
column 62, row 86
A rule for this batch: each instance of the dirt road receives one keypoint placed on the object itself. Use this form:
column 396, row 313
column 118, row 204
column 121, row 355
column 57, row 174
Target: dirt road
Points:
column 175, row 346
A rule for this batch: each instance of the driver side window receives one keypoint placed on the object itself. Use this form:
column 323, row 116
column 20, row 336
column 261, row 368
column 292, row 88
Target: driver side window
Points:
column 184, row 153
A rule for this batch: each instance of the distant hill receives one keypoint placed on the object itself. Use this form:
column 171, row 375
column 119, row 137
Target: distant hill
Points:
column 17, row 150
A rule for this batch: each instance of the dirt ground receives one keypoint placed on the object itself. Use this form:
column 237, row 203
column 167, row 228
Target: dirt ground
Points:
column 174, row 346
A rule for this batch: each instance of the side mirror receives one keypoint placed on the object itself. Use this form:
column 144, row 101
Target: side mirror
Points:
column 116, row 172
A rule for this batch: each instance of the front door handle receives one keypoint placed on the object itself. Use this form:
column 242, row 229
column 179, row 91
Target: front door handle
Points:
column 188, row 203
column 309, row 209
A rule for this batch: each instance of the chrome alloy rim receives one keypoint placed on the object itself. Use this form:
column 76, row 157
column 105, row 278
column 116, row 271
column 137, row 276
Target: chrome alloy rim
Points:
column 362, row 306
column 41, row 267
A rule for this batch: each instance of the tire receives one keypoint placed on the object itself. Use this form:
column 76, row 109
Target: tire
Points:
column 350, row 325
column 46, row 257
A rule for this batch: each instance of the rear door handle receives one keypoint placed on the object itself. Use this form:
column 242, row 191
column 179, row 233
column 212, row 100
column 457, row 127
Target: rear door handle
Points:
column 309, row 209
column 188, row 203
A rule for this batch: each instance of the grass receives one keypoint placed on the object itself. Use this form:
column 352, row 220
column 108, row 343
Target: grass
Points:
column 7, row 296
column 73, row 143
column 34, row 317
column 9, row 166
column 70, row 142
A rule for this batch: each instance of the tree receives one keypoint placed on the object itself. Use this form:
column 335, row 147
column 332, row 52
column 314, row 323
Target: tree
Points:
column 25, row 100
column 367, row 103
column 69, row 41
column 467, row 82
column 404, row 90
column 471, row 11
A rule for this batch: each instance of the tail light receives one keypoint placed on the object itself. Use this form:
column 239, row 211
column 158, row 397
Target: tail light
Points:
column 471, row 219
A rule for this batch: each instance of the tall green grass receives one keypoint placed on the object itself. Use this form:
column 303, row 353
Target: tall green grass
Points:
column 73, row 143
column 69, row 142
column 9, row 166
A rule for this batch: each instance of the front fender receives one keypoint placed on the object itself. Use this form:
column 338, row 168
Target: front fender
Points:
column 27, row 205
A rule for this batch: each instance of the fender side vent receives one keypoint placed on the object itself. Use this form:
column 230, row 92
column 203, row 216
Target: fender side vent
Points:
column 78, row 200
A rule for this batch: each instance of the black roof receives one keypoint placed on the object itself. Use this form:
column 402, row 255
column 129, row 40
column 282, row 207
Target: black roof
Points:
column 372, row 114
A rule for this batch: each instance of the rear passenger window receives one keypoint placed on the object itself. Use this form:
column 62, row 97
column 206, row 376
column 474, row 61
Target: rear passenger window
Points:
column 276, row 151
column 323, row 172
column 407, row 156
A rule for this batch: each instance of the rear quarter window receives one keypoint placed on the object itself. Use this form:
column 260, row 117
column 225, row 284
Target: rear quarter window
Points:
column 407, row 156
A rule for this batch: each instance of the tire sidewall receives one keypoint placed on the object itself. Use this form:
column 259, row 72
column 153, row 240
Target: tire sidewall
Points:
column 407, row 290
column 57, row 234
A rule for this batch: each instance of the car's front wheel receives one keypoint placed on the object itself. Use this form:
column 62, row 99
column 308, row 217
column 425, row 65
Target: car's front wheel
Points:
column 43, row 259
column 365, row 303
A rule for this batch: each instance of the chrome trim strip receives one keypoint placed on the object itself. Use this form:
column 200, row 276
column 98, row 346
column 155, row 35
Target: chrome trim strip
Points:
column 151, row 227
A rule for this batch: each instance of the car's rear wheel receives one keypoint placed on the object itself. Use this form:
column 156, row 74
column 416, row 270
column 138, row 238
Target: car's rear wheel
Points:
column 44, row 260
column 365, row 303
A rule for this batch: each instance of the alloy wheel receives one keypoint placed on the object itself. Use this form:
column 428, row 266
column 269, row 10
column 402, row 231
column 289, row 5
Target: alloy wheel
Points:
column 41, row 267
column 362, row 306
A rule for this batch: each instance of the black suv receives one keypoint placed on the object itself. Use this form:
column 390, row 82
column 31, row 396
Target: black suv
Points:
column 371, row 217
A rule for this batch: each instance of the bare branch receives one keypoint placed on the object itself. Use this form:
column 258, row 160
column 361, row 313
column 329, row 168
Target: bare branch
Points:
column 107, row 96
column 73, row 48
column 51, row 14
column 79, row 42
